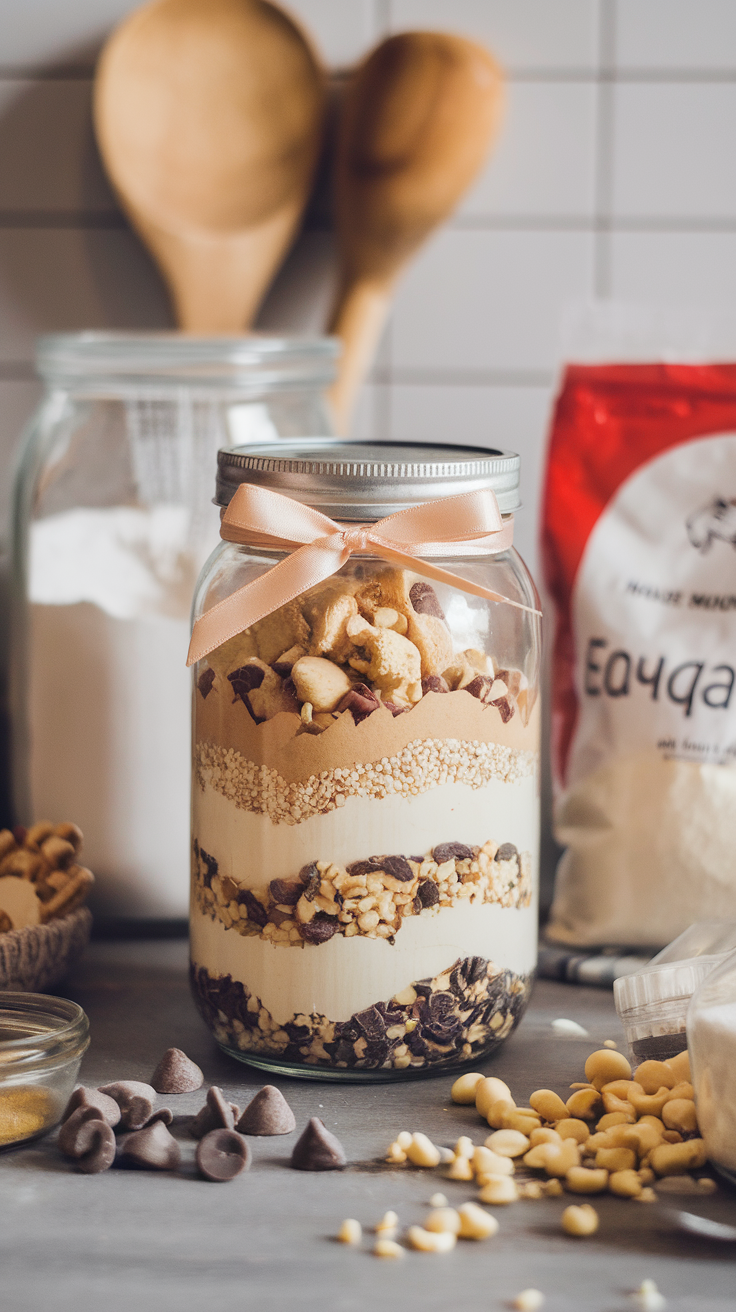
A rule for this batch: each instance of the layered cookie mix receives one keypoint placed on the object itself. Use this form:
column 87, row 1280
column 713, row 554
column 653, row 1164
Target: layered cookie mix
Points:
column 365, row 810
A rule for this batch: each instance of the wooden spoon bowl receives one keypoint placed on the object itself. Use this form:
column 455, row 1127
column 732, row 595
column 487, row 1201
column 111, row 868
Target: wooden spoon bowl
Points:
column 209, row 116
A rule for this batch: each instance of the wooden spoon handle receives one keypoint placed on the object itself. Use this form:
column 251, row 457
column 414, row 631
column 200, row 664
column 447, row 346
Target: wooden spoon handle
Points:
column 361, row 310
column 217, row 280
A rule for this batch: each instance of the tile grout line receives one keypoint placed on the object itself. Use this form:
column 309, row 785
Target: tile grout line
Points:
column 604, row 150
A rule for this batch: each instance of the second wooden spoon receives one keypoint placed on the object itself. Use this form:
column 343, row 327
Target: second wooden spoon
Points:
column 417, row 124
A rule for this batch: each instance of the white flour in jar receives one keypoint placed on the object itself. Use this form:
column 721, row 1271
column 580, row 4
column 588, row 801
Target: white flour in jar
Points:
column 711, row 1031
column 109, row 696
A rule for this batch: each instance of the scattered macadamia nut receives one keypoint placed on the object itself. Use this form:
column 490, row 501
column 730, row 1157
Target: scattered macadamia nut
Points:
column 428, row 1241
column 529, row 1300
column 581, row 1220
column 648, row 1298
column 499, row 1190
column 443, row 1219
column 509, row 1143
column 422, row 1152
column 489, row 1091
column 350, row 1232
column 388, row 1248
column 464, row 1088
column 475, row 1222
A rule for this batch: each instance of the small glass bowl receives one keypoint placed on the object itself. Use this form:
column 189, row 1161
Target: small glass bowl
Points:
column 42, row 1042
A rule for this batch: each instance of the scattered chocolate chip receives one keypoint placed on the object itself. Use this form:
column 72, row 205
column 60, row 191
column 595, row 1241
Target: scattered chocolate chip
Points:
column 95, row 1145
column 394, row 709
column 505, row 708
column 152, row 1149
column 480, row 687
column 307, row 872
column 205, row 682
column 285, row 891
column 217, row 1114
column 222, row 1154
column 435, row 683
column 176, row 1073
column 318, row 1150
column 69, row 1134
column 246, row 679
column 371, row 1022
column 320, row 929
column 396, row 866
column 256, row 911
column 106, row 1108
column 506, row 852
column 428, row 893
column 267, row 1113
column 135, row 1100
column 360, row 701
column 451, row 852
column 424, row 600
column 164, row 1114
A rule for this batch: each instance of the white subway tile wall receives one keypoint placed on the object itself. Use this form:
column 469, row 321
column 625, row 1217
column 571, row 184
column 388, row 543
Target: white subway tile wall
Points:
column 614, row 176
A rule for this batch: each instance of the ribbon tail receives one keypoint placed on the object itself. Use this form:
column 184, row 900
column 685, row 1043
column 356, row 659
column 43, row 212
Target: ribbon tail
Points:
column 423, row 567
column 296, row 574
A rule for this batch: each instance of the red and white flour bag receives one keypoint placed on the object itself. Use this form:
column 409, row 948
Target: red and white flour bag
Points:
column 639, row 542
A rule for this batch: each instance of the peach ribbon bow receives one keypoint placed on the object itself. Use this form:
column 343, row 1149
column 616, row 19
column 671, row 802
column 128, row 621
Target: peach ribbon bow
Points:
column 318, row 547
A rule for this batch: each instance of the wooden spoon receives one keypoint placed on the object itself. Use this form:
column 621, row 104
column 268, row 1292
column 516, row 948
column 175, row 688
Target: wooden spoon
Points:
column 209, row 115
column 417, row 124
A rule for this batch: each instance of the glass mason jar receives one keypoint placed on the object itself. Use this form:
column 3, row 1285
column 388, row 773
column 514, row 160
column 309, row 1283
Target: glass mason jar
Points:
column 365, row 798
column 113, row 518
column 711, row 1041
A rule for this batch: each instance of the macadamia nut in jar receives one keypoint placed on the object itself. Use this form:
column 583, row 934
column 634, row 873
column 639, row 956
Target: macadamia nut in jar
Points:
column 366, row 760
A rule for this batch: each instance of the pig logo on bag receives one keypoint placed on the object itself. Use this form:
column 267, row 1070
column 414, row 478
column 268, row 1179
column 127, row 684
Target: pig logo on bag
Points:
column 716, row 520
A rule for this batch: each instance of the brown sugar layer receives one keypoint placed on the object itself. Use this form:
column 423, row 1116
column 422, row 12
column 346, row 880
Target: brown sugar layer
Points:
column 278, row 744
column 462, row 1013
column 370, row 898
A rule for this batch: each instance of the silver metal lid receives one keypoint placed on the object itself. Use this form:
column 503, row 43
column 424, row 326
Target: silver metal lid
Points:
column 365, row 481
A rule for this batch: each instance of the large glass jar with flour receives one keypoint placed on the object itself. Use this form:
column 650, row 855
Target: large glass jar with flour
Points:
column 711, row 1040
column 365, row 789
column 113, row 519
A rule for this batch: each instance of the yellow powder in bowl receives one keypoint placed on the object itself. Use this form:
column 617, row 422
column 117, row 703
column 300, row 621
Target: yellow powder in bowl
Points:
column 25, row 1112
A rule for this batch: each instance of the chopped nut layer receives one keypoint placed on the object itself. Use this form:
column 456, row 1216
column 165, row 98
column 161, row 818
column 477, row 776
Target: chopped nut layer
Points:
column 371, row 898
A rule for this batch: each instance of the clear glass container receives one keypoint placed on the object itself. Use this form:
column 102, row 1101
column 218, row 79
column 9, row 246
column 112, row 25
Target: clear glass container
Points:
column 711, row 1041
column 365, row 797
column 42, row 1042
column 113, row 518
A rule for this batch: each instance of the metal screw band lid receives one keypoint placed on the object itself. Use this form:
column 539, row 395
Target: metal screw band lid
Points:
column 365, row 481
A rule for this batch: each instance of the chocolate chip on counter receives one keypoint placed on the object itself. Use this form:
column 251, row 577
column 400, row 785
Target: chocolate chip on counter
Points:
column 285, row 892
column 95, row 1143
column 107, row 1108
column 176, row 1073
column 424, row 600
column 205, row 682
column 69, row 1133
column 267, row 1113
column 435, row 683
column 222, row 1154
column 217, row 1114
column 428, row 893
column 152, row 1149
column 451, row 852
column 506, row 852
column 360, row 701
column 320, row 929
column 135, row 1100
column 318, row 1150
column 256, row 911
column 164, row 1114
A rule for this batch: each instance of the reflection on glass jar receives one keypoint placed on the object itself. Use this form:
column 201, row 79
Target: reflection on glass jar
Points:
column 365, row 782
column 113, row 520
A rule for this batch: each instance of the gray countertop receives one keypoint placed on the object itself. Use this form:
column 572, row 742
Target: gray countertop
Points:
column 131, row 1241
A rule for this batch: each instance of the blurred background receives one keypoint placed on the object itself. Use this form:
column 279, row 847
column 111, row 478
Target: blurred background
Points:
column 615, row 175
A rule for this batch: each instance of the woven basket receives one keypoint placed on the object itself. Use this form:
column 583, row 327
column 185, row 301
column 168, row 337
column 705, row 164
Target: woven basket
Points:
column 35, row 959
